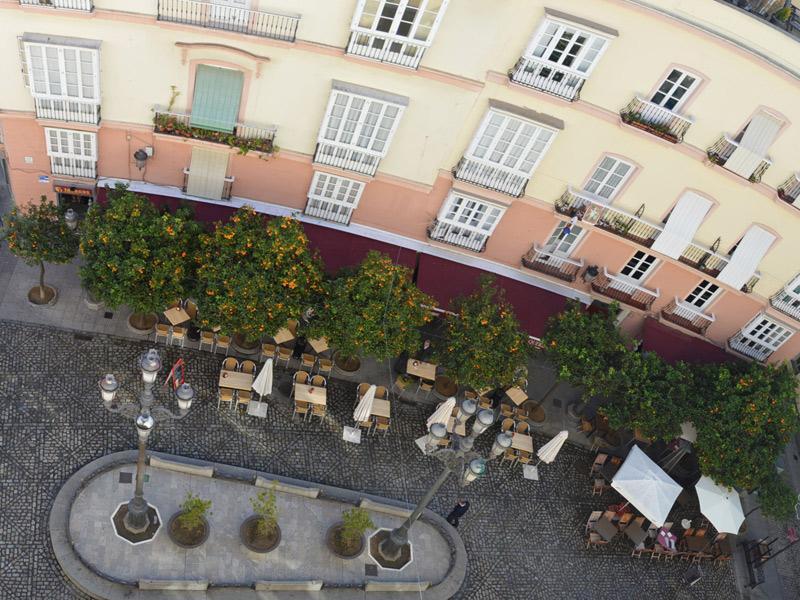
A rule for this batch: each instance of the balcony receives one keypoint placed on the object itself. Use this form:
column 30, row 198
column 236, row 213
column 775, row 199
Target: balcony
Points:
column 245, row 137
column 722, row 150
column 687, row 316
column 624, row 290
column 277, row 26
column 86, row 5
column 227, row 186
column 789, row 190
column 347, row 157
column 614, row 220
column 547, row 77
column 749, row 347
column 787, row 304
column 330, row 211
column 73, row 167
column 457, row 236
column 491, row 176
column 655, row 119
column 397, row 51
column 74, row 111
column 706, row 260
column 562, row 267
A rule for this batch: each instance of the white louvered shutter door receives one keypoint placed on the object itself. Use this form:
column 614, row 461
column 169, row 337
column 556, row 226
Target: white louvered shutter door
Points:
column 746, row 257
column 682, row 224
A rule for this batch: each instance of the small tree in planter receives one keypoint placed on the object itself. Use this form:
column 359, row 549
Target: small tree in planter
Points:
column 188, row 527
column 137, row 256
column 261, row 532
column 255, row 276
column 375, row 311
column 484, row 346
column 346, row 538
column 38, row 234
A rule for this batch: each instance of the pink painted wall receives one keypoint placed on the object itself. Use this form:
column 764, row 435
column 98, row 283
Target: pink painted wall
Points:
column 24, row 137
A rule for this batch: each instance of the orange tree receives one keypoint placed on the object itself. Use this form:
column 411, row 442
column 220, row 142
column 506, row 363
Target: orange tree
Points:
column 374, row 311
column 253, row 276
column 484, row 345
column 137, row 256
column 39, row 234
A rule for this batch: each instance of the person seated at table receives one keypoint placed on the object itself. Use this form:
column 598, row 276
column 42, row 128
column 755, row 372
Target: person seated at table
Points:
column 426, row 352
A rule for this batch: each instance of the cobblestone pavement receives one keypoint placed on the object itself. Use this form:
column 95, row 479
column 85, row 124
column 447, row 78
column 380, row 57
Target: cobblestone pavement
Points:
column 524, row 539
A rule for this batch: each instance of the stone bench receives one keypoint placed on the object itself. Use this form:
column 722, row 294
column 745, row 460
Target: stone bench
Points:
column 200, row 585
column 287, row 488
column 388, row 509
column 396, row 586
column 181, row 467
column 289, row 586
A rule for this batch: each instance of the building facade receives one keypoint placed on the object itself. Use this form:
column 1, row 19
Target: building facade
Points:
column 643, row 151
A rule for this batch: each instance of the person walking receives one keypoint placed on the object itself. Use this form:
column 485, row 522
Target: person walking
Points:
column 459, row 510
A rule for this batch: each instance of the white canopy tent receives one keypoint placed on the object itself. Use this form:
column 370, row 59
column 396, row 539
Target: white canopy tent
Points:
column 645, row 485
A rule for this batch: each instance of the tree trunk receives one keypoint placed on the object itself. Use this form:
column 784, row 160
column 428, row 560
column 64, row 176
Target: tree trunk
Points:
column 41, row 281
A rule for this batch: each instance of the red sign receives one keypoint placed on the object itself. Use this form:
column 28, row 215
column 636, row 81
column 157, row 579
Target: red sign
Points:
column 177, row 374
column 73, row 191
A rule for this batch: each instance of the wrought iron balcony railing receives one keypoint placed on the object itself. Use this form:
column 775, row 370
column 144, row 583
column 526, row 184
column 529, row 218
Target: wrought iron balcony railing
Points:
column 722, row 150
column 655, row 119
column 749, row 347
column 86, row 5
column 330, row 211
column 75, row 111
column 562, row 267
column 624, row 290
column 386, row 49
column 490, row 175
column 547, row 77
column 687, row 316
column 620, row 222
column 277, row 26
column 350, row 158
column 789, row 190
column 245, row 136
column 457, row 236
column 73, row 167
column 787, row 304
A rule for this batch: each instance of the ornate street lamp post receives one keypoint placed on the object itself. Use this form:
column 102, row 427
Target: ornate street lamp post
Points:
column 136, row 520
column 460, row 459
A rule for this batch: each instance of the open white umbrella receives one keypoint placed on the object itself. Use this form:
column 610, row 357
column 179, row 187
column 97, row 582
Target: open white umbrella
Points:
column 720, row 505
column 364, row 407
column 442, row 413
column 548, row 452
column 645, row 485
column 263, row 383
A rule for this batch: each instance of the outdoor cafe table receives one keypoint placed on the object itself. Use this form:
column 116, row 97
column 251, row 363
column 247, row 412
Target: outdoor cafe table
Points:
column 695, row 543
column 522, row 441
column 517, row 396
column 177, row 315
column 606, row 529
column 310, row 393
column 420, row 369
column 235, row 380
column 381, row 408
column 635, row 533
column 283, row 336
column 319, row 345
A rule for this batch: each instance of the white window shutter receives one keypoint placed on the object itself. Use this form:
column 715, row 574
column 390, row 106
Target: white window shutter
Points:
column 207, row 173
column 754, row 146
column 746, row 257
column 682, row 224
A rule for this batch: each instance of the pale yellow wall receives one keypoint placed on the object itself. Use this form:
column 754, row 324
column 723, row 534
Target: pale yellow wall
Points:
column 140, row 63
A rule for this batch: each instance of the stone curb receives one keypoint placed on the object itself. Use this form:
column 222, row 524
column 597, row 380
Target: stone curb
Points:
column 99, row 586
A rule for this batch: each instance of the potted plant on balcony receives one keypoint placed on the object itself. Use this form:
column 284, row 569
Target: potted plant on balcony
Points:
column 188, row 528
column 261, row 532
column 253, row 276
column 137, row 256
column 38, row 234
column 635, row 119
column 374, row 311
column 346, row 538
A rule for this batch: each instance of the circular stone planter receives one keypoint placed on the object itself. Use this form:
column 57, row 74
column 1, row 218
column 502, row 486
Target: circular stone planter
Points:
column 242, row 346
column 145, row 326
column 184, row 538
column 445, row 387
column 50, row 296
column 330, row 540
column 90, row 301
column 537, row 417
column 349, row 364
column 255, row 542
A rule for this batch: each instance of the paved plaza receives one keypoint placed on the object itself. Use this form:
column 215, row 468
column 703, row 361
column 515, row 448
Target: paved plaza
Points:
column 524, row 539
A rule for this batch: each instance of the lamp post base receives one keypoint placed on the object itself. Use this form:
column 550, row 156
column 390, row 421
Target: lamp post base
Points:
column 388, row 553
column 136, row 519
column 119, row 521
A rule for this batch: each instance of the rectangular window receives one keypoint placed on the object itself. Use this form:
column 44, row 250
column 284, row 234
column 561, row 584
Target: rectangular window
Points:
column 746, row 256
column 702, row 295
column 638, row 267
column 564, row 238
column 333, row 198
column 72, row 153
column 466, row 221
column 63, row 71
column 216, row 98
column 412, row 19
column 608, row 178
column 567, row 46
column 206, row 176
column 357, row 129
column 681, row 224
column 761, row 337
column 788, row 299
column 675, row 89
